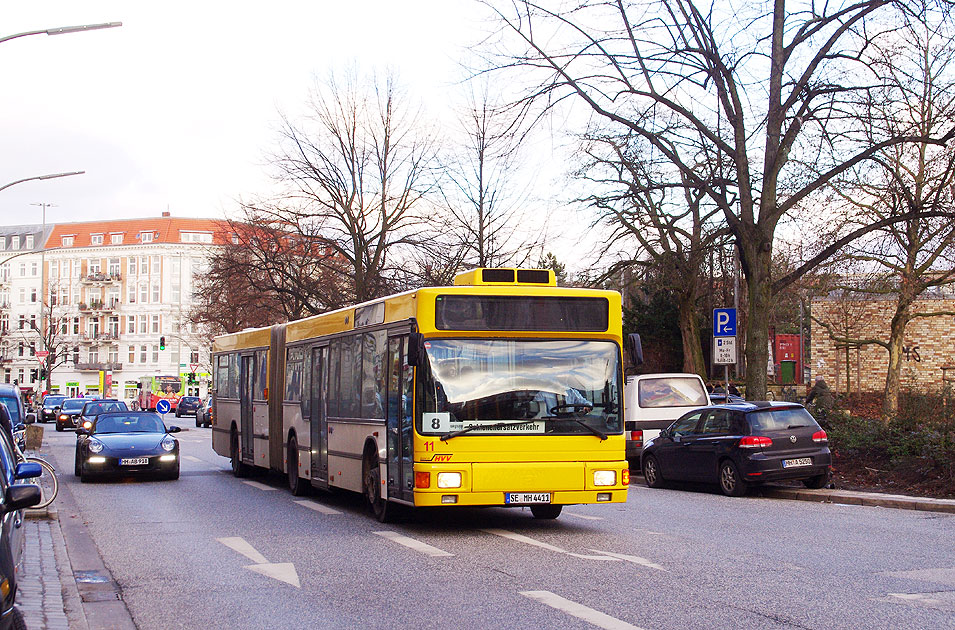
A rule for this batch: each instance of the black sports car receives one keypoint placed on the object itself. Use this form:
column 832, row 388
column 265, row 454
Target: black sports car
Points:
column 127, row 443
column 70, row 409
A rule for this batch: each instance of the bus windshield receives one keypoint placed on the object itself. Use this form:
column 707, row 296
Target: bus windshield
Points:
column 562, row 387
column 168, row 384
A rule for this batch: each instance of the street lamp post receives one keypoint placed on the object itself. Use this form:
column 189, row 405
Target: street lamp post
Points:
column 62, row 30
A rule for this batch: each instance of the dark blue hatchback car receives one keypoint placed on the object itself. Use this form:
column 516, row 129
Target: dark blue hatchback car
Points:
column 739, row 445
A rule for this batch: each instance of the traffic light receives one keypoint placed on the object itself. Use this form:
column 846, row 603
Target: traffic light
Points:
column 162, row 343
column 42, row 374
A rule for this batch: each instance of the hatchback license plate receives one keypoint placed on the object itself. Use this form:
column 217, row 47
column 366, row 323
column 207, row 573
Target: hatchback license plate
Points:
column 527, row 497
column 134, row 461
column 795, row 463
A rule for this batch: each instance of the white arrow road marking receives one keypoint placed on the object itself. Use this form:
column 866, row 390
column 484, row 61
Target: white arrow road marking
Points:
column 256, row 484
column 236, row 543
column 192, row 459
column 318, row 507
column 633, row 559
column 536, row 543
column 417, row 545
column 591, row 616
column 281, row 571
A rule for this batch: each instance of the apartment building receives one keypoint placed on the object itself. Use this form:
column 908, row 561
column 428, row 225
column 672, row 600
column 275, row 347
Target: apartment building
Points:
column 118, row 294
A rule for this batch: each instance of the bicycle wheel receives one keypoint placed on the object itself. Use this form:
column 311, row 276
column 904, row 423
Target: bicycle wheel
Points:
column 49, row 485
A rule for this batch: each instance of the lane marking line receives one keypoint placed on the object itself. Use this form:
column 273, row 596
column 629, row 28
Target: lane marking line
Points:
column 256, row 484
column 192, row 459
column 318, row 507
column 536, row 543
column 591, row 616
column 417, row 545
column 585, row 516
column 634, row 559
column 237, row 543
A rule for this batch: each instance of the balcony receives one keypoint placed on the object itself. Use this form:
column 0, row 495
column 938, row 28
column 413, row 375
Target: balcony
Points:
column 98, row 338
column 98, row 306
column 97, row 367
column 99, row 277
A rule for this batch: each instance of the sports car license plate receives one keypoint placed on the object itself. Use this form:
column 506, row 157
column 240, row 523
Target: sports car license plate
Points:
column 795, row 463
column 527, row 497
column 134, row 461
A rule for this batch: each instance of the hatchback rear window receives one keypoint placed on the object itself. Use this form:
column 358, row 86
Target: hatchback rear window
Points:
column 780, row 419
column 671, row 391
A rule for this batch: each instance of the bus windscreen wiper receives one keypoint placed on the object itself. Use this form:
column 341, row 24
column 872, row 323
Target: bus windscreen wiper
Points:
column 475, row 427
column 595, row 431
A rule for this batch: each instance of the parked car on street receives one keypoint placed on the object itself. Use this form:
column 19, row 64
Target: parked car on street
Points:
column 50, row 407
column 737, row 446
column 204, row 416
column 653, row 401
column 127, row 443
column 17, row 495
column 70, row 409
column 188, row 405
column 93, row 408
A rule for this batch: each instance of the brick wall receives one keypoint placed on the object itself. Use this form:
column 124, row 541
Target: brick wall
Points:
column 930, row 343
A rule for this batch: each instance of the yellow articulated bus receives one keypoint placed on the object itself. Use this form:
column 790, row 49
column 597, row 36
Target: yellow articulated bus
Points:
column 502, row 390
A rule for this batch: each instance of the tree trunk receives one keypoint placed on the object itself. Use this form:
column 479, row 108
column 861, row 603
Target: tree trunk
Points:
column 690, row 334
column 760, row 290
column 890, row 402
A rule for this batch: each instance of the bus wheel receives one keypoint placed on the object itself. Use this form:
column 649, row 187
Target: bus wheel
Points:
column 372, row 482
column 238, row 468
column 546, row 511
column 296, row 484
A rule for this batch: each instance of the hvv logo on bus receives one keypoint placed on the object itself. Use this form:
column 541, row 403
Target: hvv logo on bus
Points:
column 724, row 322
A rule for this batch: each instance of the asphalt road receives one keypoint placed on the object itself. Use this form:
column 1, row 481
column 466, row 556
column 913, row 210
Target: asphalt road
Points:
column 212, row 551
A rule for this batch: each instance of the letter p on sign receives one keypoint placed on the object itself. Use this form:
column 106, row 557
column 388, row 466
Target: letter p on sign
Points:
column 724, row 322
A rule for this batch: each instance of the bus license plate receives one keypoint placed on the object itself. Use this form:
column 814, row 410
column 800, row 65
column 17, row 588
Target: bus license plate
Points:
column 527, row 497
column 794, row 463
column 134, row 461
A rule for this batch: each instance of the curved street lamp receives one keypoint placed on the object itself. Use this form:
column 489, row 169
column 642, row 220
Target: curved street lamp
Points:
column 51, row 176
column 62, row 30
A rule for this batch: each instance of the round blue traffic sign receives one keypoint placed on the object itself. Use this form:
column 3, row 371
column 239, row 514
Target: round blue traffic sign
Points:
column 163, row 406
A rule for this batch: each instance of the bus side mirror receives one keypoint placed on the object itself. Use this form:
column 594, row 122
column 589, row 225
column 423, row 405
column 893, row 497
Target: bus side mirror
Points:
column 416, row 351
column 635, row 348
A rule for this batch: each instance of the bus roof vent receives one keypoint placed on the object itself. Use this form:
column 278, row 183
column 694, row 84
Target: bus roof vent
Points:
column 506, row 275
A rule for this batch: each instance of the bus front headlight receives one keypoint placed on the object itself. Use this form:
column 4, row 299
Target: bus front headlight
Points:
column 449, row 480
column 605, row 477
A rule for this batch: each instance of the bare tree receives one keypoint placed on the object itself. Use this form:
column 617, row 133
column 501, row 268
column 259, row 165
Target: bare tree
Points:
column 916, row 254
column 357, row 169
column 761, row 90
column 658, row 222
column 486, row 201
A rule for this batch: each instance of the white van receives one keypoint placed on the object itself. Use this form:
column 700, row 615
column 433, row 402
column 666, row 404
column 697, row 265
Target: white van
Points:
column 653, row 401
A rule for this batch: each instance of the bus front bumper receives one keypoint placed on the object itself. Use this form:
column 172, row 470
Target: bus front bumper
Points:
column 473, row 499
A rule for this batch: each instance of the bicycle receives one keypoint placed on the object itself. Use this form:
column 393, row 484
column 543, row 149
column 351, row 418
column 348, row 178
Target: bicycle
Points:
column 47, row 495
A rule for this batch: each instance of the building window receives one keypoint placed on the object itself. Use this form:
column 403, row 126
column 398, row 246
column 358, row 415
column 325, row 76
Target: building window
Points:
column 143, row 293
column 131, row 295
column 155, row 323
column 131, row 324
column 28, row 241
column 113, row 268
column 20, row 375
column 4, row 323
column 113, row 354
column 175, row 294
column 23, row 270
column 132, row 354
column 116, row 239
column 66, row 241
column 155, row 293
column 155, row 265
column 131, row 266
column 15, row 244
column 32, row 348
column 142, row 354
column 146, row 237
column 76, row 325
column 194, row 356
column 93, row 354
column 94, row 265
column 33, row 296
column 142, row 325
column 156, row 354
column 114, row 327
column 3, row 247
column 23, row 323
column 20, row 348
column 96, row 239
column 34, row 269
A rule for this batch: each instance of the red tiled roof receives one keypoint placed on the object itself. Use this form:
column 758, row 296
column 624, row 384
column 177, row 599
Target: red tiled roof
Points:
column 164, row 229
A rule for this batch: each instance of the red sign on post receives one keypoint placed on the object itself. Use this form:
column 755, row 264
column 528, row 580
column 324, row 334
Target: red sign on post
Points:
column 43, row 353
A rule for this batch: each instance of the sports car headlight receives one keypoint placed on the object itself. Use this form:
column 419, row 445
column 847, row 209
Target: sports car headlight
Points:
column 95, row 446
column 168, row 443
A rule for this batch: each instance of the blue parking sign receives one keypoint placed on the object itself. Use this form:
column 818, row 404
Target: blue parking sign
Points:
column 724, row 322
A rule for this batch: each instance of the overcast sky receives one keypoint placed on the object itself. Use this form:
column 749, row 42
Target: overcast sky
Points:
column 176, row 109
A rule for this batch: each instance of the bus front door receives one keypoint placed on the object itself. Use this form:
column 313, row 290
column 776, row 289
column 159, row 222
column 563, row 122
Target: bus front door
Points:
column 399, row 421
column 246, row 376
column 319, row 419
